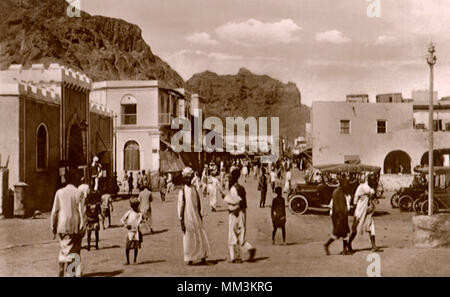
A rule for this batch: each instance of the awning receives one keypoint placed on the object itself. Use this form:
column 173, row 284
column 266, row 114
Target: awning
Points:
column 170, row 161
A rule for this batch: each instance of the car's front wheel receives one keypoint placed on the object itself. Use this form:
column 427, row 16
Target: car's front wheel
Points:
column 298, row 204
column 394, row 200
column 406, row 203
column 424, row 207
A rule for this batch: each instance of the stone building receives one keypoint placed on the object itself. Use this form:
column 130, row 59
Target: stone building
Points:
column 48, row 126
column 390, row 135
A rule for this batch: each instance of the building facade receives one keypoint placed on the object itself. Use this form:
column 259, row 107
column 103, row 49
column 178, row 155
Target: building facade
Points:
column 48, row 127
column 380, row 134
column 358, row 98
column 389, row 98
column 144, row 111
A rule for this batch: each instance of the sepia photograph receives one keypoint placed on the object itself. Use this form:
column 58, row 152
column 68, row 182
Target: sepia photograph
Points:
column 198, row 140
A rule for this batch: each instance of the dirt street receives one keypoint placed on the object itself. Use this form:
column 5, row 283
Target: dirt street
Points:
column 27, row 248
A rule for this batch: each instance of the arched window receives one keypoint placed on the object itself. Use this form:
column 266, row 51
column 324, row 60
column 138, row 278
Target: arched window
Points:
column 129, row 110
column 131, row 156
column 42, row 147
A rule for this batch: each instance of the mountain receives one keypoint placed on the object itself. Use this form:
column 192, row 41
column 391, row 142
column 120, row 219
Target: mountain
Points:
column 246, row 94
column 40, row 31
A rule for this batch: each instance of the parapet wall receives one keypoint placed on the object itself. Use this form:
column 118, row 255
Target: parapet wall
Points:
column 54, row 75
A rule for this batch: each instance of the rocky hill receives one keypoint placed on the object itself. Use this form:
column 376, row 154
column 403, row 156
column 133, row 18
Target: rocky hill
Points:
column 39, row 31
column 246, row 94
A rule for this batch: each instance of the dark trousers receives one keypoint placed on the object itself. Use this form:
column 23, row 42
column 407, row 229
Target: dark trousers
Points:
column 262, row 202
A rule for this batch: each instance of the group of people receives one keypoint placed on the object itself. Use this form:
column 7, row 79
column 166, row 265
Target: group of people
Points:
column 196, row 246
column 77, row 210
column 143, row 179
column 341, row 204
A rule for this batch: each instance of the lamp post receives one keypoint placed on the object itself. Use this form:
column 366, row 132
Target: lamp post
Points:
column 431, row 60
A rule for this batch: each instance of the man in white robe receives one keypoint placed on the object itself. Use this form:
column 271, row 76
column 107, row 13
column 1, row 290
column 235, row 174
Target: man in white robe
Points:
column 237, row 225
column 214, row 190
column 365, row 208
column 195, row 242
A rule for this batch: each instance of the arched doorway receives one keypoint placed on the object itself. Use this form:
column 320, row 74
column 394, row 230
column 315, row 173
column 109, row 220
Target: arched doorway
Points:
column 131, row 156
column 75, row 157
column 438, row 158
column 397, row 162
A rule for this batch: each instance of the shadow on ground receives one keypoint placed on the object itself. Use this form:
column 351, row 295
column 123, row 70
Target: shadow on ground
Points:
column 150, row 262
column 155, row 232
column 370, row 249
column 103, row 273
column 257, row 259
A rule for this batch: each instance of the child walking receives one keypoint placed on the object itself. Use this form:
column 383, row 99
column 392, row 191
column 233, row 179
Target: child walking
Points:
column 93, row 213
column 278, row 214
column 107, row 207
column 131, row 220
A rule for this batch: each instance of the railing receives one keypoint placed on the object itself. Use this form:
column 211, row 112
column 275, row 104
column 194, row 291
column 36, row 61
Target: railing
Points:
column 164, row 119
column 129, row 119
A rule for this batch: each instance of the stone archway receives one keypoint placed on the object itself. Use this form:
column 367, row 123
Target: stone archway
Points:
column 75, row 156
column 397, row 162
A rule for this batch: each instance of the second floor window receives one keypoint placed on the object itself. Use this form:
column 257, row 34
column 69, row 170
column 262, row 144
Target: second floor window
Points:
column 129, row 112
column 381, row 127
column 345, row 127
column 437, row 125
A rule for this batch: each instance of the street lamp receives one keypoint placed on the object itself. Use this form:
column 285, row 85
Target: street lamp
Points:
column 431, row 60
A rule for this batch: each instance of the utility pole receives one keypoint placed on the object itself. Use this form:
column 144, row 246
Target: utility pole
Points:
column 431, row 59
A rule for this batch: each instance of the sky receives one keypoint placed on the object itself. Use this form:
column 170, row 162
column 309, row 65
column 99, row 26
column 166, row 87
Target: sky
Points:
column 328, row 48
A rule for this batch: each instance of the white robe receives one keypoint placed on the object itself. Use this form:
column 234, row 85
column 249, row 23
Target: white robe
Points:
column 363, row 215
column 195, row 241
column 214, row 191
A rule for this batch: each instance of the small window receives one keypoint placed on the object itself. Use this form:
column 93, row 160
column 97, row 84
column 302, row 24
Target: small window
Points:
column 447, row 126
column 129, row 112
column 42, row 148
column 381, row 126
column 345, row 127
column 437, row 125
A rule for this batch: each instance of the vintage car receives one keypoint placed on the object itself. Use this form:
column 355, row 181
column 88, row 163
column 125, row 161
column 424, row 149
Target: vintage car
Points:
column 406, row 198
column 320, row 183
column 441, row 197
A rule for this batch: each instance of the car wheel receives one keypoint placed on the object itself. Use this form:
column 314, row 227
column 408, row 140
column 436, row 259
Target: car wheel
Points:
column 394, row 200
column 298, row 204
column 424, row 207
column 417, row 205
column 405, row 203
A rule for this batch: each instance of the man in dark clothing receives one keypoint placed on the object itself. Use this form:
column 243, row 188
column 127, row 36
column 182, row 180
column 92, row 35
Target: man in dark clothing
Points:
column 278, row 215
column 262, row 187
column 339, row 216
column 130, row 183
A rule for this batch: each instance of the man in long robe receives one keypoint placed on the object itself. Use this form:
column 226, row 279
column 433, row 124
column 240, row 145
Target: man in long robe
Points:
column 365, row 208
column 214, row 190
column 145, row 207
column 195, row 242
column 237, row 225
column 339, row 210
column 68, row 220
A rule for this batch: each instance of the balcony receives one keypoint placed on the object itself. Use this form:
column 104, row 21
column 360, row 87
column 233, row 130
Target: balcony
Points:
column 164, row 119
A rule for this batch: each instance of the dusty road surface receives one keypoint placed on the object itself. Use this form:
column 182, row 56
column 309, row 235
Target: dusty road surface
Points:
column 27, row 248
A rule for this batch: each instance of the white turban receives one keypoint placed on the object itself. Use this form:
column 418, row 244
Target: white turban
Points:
column 187, row 172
